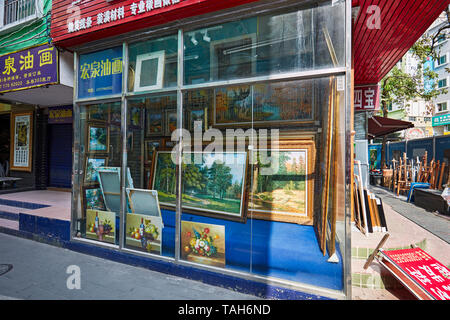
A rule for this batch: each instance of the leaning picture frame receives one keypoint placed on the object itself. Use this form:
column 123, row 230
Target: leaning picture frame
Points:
column 152, row 77
column 286, row 195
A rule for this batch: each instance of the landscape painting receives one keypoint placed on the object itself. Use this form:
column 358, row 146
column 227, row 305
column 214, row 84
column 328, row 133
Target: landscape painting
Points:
column 284, row 191
column 93, row 199
column 154, row 123
column 264, row 103
column 98, row 112
column 233, row 104
column 98, row 138
column 90, row 172
column 213, row 184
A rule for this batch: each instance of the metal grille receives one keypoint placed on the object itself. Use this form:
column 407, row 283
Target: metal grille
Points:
column 16, row 10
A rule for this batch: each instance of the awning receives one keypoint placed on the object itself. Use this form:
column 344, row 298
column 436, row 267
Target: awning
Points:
column 384, row 30
column 380, row 126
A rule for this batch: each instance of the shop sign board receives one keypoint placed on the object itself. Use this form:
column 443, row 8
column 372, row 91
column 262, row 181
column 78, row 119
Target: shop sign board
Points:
column 60, row 115
column 29, row 68
column 367, row 98
column 422, row 270
column 441, row 120
column 78, row 21
column 100, row 73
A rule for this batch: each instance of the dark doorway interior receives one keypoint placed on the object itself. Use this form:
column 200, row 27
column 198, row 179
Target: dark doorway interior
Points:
column 5, row 136
column 60, row 155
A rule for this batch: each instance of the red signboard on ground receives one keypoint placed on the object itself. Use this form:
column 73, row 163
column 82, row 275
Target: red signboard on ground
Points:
column 77, row 21
column 425, row 272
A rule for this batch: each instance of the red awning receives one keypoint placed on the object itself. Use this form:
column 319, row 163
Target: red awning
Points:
column 380, row 126
column 384, row 30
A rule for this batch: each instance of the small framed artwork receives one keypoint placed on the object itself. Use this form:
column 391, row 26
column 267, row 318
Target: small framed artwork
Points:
column 203, row 243
column 150, row 146
column 130, row 141
column 21, row 141
column 134, row 117
column 149, row 71
column 97, row 138
column 115, row 115
column 168, row 143
column 154, row 123
column 90, row 171
column 98, row 112
column 170, row 121
column 198, row 119
column 93, row 199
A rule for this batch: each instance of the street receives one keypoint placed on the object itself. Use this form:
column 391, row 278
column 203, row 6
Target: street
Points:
column 40, row 272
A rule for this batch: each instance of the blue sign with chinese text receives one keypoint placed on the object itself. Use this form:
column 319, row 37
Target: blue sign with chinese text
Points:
column 29, row 68
column 100, row 73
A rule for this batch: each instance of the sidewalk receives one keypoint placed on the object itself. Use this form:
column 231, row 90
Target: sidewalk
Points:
column 39, row 272
column 407, row 225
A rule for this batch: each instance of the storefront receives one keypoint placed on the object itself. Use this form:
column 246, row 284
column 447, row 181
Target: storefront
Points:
column 31, row 80
column 215, row 136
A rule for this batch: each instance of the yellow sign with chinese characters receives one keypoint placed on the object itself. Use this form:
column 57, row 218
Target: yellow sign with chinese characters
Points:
column 29, row 68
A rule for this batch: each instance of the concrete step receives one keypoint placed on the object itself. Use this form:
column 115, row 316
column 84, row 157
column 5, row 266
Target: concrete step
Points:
column 9, row 224
column 10, row 212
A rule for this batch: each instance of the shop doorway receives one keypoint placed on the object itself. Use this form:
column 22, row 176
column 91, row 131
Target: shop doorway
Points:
column 5, row 136
column 60, row 156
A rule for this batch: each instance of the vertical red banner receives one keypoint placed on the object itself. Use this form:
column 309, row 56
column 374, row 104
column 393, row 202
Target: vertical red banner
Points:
column 367, row 98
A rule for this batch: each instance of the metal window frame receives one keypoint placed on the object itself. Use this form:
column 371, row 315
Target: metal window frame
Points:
column 180, row 89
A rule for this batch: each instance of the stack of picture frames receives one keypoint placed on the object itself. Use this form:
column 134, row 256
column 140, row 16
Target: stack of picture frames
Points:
column 368, row 212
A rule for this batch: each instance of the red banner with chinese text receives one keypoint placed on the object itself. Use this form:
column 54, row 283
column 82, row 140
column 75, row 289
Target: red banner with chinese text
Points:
column 367, row 98
column 427, row 272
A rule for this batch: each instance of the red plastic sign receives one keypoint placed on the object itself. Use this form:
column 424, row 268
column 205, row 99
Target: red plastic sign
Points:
column 367, row 98
column 428, row 273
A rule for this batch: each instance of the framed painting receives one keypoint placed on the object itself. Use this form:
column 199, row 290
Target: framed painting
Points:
column 233, row 105
column 101, row 225
column 197, row 119
column 130, row 141
column 90, row 169
column 168, row 143
column 134, row 117
column 283, row 183
column 215, row 187
column 97, row 138
column 203, row 243
column 98, row 112
column 283, row 102
column 154, row 123
column 115, row 113
column 21, row 149
column 170, row 124
column 93, row 199
column 150, row 146
column 149, row 71
column 265, row 104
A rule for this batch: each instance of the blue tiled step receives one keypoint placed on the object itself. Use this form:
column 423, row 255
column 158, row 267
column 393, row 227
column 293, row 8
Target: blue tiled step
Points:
column 22, row 204
column 10, row 213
